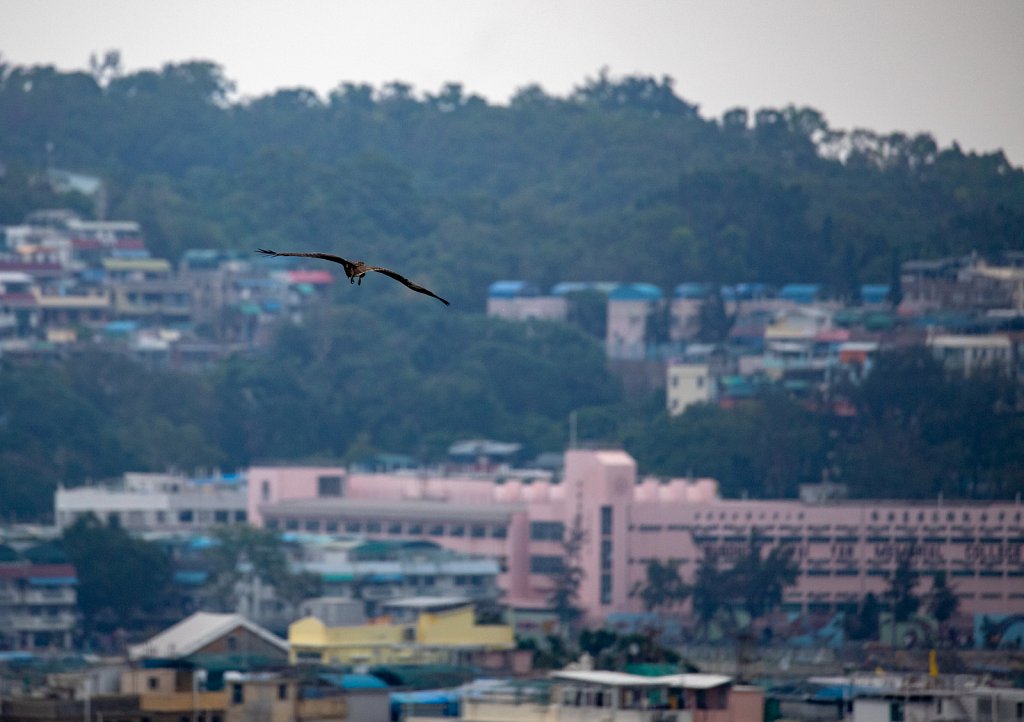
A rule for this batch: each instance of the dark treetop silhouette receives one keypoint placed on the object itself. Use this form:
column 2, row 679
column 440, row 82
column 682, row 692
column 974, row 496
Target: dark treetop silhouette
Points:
column 355, row 270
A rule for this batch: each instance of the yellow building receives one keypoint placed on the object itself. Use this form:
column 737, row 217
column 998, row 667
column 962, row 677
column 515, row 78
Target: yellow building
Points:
column 439, row 634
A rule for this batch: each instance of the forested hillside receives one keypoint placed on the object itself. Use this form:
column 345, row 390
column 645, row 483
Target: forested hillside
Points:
column 621, row 181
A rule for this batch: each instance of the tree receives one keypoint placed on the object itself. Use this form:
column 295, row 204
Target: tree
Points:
column 588, row 309
column 864, row 624
column 760, row 581
column 564, row 595
column 900, row 591
column 942, row 601
column 713, row 322
column 710, row 592
column 663, row 587
column 120, row 578
column 243, row 552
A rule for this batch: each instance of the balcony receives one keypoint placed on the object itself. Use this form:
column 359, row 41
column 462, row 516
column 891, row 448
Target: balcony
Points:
column 58, row 596
column 62, row 622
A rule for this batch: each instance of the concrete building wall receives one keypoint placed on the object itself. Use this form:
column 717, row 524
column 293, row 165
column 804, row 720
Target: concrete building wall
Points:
column 688, row 384
column 550, row 308
column 845, row 549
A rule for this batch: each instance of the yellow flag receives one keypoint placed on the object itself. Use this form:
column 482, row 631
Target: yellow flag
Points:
column 933, row 665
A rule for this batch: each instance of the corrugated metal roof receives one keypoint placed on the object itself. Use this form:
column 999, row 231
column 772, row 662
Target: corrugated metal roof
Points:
column 195, row 632
column 689, row 680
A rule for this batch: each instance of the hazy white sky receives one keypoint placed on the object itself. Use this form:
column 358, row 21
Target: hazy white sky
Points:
column 954, row 68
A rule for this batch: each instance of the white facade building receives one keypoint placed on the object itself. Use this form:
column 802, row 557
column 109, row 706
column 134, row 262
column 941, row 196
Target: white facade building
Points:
column 688, row 384
column 156, row 502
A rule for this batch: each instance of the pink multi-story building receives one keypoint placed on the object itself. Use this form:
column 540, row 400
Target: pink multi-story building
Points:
column 845, row 548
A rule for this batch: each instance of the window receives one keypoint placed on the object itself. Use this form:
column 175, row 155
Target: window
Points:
column 265, row 490
column 436, row 530
column 153, row 683
column 606, row 589
column 606, row 520
column 395, row 527
column 240, row 516
column 328, row 486
column 282, row 691
column 353, row 527
column 416, row 528
column 896, row 712
column 499, row 532
column 373, row 527
column 547, row 530
column 545, row 564
column 221, row 516
column 291, row 524
column 457, row 530
column 331, row 527
column 185, row 516
column 312, row 525
column 477, row 532
column 237, row 694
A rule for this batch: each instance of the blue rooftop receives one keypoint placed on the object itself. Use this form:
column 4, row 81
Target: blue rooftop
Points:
column 800, row 292
column 353, row 681
column 693, row 290
column 567, row 287
column 874, row 292
column 636, row 292
column 512, row 289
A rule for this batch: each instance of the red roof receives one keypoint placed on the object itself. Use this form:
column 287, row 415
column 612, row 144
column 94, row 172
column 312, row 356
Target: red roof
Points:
column 317, row 278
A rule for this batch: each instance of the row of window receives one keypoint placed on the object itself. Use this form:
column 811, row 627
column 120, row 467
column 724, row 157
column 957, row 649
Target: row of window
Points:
column 892, row 516
column 334, row 526
column 138, row 518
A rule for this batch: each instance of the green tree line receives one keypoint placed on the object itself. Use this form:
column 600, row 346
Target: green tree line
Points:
column 620, row 180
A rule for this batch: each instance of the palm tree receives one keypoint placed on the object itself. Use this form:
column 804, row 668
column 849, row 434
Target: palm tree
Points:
column 663, row 586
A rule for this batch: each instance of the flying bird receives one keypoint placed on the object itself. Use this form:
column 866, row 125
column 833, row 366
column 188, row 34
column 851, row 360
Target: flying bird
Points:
column 355, row 270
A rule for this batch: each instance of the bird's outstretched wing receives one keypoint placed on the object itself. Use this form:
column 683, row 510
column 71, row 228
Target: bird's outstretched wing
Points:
column 360, row 268
column 405, row 281
column 349, row 265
